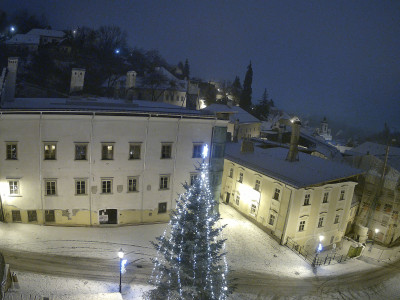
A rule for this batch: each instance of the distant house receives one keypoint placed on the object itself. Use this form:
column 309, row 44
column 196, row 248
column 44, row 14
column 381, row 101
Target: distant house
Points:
column 324, row 131
column 300, row 200
column 47, row 36
column 379, row 195
column 241, row 123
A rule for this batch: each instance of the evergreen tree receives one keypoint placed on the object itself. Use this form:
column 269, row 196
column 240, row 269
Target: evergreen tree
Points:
column 245, row 97
column 236, row 90
column 190, row 263
column 186, row 69
column 262, row 109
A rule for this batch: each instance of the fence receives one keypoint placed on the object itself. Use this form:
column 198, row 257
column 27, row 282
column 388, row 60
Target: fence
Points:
column 315, row 259
column 18, row 296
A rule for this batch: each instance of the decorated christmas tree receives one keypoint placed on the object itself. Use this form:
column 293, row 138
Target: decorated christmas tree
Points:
column 190, row 262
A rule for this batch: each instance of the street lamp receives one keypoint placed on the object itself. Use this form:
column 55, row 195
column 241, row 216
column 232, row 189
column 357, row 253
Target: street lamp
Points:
column 121, row 256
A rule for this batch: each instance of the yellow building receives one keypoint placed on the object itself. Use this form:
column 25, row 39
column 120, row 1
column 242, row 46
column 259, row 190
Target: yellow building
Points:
column 301, row 200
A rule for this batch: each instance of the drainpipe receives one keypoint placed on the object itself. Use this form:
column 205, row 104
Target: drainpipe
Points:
column 90, row 168
column 175, row 156
column 40, row 168
column 283, row 238
column 144, row 168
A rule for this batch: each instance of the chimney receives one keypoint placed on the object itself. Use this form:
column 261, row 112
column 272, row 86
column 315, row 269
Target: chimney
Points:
column 11, row 79
column 130, row 80
column 77, row 80
column 293, row 154
column 247, row 146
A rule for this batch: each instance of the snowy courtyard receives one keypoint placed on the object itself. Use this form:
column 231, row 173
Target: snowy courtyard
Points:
column 263, row 268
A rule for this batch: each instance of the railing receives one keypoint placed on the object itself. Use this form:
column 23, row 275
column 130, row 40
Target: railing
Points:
column 315, row 259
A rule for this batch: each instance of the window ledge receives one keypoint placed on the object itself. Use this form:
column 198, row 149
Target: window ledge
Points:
column 81, row 194
column 15, row 196
column 106, row 193
column 132, row 192
column 163, row 189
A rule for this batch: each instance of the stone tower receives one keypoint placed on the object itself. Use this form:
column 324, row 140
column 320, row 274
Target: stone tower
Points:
column 77, row 80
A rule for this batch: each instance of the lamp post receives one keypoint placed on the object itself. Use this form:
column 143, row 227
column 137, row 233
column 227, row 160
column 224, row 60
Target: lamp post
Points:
column 319, row 249
column 121, row 256
column 376, row 232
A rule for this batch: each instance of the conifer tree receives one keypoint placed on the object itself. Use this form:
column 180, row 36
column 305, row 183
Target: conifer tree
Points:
column 245, row 97
column 236, row 90
column 190, row 262
column 186, row 69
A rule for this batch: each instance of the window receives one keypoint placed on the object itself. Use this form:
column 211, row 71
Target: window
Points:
column 80, row 151
column 387, row 208
column 197, row 150
column 11, row 151
column 164, row 182
column 32, row 216
column 218, row 150
column 320, row 222
column 271, row 220
column 240, row 177
column 51, row 187
column 276, row 194
column 162, row 207
column 16, row 216
column 257, row 185
column 106, row 186
column 80, row 187
column 134, row 151
column 326, row 196
column 253, row 209
column 336, row 219
column 302, row 225
column 193, row 178
column 49, row 216
column 107, row 151
column 237, row 201
column 166, row 150
column 14, row 187
column 307, row 199
column 231, row 173
column 133, row 184
column 341, row 195
column 50, row 151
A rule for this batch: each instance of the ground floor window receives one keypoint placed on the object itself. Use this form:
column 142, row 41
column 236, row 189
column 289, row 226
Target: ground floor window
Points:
column 49, row 216
column 271, row 220
column 162, row 207
column 32, row 216
column 16, row 216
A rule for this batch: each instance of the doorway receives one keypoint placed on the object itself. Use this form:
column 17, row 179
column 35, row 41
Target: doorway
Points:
column 108, row 216
column 228, row 195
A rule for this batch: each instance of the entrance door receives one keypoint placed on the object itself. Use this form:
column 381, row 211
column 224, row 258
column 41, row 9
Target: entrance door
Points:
column 108, row 216
column 228, row 195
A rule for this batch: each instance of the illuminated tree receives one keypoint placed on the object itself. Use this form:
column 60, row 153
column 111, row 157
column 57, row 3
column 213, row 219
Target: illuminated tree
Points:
column 190, row 261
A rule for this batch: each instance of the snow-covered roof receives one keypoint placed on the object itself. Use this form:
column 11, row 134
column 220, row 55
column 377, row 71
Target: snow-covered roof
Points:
column 24, row 39
column 236, row 113
column 375, row 149
column 46, row 32
column 99, row 105
column 307, row 171
column 330, row 151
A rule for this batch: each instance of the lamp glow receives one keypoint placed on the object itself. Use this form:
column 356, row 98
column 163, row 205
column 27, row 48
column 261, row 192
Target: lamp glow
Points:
column 321, row 238
column 205, row 151
column 376, row 230
column 121, row 253
column 12, row 28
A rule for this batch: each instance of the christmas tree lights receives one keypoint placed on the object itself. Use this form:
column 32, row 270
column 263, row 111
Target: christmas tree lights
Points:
column 191, row 261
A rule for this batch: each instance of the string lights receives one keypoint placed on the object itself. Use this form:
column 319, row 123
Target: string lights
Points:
column 191, row 261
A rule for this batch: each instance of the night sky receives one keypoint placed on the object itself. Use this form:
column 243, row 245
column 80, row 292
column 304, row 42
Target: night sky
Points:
column 334, row 58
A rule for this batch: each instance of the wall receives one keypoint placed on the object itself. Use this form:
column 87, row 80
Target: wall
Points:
column 29, row 131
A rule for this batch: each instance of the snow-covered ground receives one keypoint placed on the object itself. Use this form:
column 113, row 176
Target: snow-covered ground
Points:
column 248, row 247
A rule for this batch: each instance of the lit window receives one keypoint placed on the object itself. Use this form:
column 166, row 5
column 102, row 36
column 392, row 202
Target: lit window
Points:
column 14, row 187
column 307, row 199
column 162, row 207
column 50, row 151
column 80, row 151
column 257, row 185
column 240, row 177
column 197, row 150
column 51, row 187
column 134, row 151
column 164, row 182
column 231, row 173
column 11, row 151
column 341, row 195
column 237, row 199
column 302, row 225
column 107, row 151
column 80, row 187
column 337, row 219
column 276, row 194
column 132, row 184
column 271, row 220
column 106, row 186
column 193, row 178
column 320, row 222
column 166, row 150
column 326, row 196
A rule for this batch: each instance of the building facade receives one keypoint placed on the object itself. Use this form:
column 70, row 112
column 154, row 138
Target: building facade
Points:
column 300, row 200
